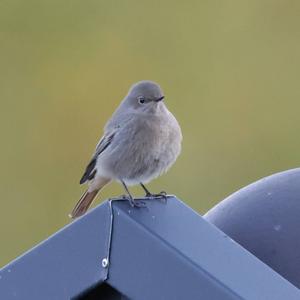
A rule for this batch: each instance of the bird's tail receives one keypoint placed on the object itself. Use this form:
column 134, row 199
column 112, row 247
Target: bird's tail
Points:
column 87, row 198
column 83, row 204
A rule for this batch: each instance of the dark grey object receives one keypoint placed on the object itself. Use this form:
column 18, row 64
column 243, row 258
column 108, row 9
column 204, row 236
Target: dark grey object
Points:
column 264, row 218
column 166, row 251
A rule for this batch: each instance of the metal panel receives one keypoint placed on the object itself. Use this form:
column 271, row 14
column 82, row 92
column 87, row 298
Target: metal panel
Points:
column 168, row 251
column 165, row 251
column 64, row 265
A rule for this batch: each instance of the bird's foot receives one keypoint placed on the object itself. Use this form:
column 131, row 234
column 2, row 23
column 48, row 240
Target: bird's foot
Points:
column 162, row 195
column 135, row 203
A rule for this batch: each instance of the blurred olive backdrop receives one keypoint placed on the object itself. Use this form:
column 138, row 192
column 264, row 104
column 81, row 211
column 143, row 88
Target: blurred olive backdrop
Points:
column 229, row 69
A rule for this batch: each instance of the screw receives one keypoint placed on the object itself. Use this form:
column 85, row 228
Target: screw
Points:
column 104, row 262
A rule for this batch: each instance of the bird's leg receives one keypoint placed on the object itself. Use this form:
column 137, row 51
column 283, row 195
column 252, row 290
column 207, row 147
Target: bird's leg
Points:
column 162, row 194
column 148, row 194
column 133, row 203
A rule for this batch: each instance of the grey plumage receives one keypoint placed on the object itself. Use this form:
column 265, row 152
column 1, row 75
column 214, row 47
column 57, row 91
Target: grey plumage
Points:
column 140, row 142
column 91, row 171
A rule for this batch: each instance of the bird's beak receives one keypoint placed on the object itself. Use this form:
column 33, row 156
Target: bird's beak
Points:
column 160, row 99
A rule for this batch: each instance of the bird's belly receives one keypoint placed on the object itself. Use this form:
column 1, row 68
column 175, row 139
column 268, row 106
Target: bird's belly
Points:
column 147, row 165
column 141, row 157
column 145, row 170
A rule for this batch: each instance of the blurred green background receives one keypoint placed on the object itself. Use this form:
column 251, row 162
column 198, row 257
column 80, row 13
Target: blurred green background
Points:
column 229, row 69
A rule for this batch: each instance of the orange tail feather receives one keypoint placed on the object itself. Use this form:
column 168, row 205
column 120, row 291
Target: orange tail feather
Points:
column 83, row 204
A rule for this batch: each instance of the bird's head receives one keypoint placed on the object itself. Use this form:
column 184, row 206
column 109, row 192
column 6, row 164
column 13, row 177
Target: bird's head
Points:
column 145, row 96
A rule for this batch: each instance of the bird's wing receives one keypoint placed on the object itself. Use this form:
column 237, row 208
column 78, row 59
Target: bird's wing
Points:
column 90, row 170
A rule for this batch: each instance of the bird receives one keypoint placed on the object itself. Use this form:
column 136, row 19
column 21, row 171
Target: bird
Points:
column 141, row 141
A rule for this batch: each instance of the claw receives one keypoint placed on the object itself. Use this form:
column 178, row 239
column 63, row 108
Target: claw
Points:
column 139, row 203
column 162, row 195
column 159, row 195
column 133, row 202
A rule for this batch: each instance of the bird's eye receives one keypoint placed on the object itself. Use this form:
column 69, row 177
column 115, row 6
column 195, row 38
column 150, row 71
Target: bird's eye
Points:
column 141, row 100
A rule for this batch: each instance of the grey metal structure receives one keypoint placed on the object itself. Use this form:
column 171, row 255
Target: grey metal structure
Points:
column 264, row 218
column 165, row 251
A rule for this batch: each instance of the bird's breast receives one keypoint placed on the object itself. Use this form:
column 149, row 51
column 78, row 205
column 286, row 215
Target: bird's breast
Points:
column 144, row 149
